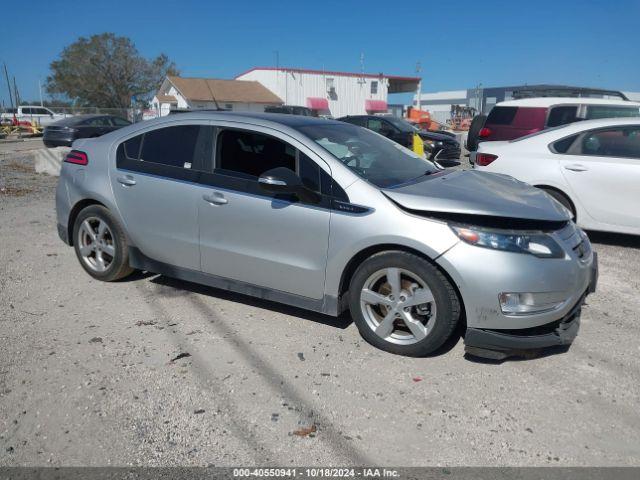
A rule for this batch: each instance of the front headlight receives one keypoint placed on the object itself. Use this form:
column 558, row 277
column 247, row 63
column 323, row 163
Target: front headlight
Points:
column 535, row 243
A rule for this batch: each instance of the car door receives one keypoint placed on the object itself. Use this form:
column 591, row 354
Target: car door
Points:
column 248, row 235
column 156, row 184
column 602, row 167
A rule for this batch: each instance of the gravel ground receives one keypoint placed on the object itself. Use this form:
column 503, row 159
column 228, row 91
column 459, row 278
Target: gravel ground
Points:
column 90, row 374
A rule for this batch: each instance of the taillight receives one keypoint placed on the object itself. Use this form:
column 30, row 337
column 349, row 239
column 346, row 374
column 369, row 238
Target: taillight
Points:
column 484, row 159
column 484, row 132
column 77, row 157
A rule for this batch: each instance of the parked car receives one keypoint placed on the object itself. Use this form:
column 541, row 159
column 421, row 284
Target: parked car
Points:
column 436, row 146
column 327, row 216
column 29, row 113
column 65, row 132
column 590, row 167
column 517, row 118
column 291, row 110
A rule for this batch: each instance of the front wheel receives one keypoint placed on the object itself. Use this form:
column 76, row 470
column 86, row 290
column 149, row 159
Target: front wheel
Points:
column 403, row 304
column 100, row 244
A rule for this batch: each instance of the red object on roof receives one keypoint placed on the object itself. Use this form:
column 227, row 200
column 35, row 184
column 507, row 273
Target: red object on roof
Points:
column 317, row 103
column 329, row 72
column 375, row 105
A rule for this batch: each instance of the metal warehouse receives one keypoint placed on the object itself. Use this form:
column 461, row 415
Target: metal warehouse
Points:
column 332, row 93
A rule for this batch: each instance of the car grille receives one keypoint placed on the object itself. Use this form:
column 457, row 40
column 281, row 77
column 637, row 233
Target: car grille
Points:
column 571, row 237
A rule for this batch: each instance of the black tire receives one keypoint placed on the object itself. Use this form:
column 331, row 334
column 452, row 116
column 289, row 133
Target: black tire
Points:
column 562, row 199
column 474, row 129
column 445, row 297
column 119, row 266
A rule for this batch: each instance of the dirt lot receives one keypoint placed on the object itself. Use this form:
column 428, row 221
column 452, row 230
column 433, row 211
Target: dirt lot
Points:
column 87, row 376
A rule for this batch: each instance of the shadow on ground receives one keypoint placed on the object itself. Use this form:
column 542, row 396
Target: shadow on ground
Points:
column 341, row 322
column 615, row 239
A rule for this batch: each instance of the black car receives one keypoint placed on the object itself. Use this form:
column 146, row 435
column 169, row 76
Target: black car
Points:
column 65, row 131
column 291, row 110
column 437, row 146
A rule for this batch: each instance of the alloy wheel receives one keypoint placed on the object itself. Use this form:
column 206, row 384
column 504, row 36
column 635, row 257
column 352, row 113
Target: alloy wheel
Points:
column 95, row 243
column 398, row 306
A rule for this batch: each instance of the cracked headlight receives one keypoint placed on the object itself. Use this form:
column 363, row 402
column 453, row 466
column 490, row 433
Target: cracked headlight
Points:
column 534, row 243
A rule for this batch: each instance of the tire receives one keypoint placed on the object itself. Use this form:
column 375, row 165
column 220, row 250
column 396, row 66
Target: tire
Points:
column 562, row 199
column 435, row 320
column 105, row 254
column 474, row 129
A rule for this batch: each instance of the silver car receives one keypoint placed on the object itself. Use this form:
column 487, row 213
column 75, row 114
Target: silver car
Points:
column 330, row 217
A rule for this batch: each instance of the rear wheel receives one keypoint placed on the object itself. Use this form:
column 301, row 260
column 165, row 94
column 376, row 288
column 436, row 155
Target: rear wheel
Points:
column 403, row 304
column 100, row 244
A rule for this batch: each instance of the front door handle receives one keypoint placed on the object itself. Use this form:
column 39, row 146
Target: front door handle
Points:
column 216, row 198
column 127, row 180
column 576, row 167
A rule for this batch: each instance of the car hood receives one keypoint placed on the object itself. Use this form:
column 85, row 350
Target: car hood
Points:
column 478, row 193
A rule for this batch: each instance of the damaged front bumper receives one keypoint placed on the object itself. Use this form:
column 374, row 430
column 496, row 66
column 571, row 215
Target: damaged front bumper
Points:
column 501, row 344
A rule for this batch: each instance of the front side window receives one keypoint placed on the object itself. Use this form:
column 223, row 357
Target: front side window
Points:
column 250, row 154
column 623, row 142
column 376, row 159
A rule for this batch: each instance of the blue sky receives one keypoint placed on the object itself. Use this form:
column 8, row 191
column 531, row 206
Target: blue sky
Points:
column 459, row 44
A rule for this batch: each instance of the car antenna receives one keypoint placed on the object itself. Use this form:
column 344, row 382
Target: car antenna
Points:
column 212, row 95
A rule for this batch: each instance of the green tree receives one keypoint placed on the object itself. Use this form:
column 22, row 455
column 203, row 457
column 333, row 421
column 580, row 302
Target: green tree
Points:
column 106, row 71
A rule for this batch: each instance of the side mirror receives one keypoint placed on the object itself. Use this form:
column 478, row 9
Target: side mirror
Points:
column 282, row 180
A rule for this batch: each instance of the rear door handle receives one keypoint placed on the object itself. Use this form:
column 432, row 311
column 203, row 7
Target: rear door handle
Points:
column 127, row 180
column 576, row 167
column 216, row 198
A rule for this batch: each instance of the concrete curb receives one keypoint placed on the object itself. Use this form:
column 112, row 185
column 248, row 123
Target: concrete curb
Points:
column 49, row 160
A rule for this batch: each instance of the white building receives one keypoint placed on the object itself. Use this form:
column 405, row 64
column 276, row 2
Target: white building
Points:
column 332, row 93
column 196, row 93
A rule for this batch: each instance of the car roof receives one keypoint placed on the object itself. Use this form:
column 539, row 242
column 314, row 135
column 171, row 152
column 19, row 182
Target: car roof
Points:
column 550, row 101
column 286, row 119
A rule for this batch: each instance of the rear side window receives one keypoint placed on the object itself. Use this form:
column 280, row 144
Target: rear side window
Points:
column 611, row 111
column 183, row 147
column 130, row 149
column 119, row 122
column 562, row 115
column 172, row 146
column 562, row 146
column 97, row 122
column 251, row 154
column 622, row 142
column 502, row 115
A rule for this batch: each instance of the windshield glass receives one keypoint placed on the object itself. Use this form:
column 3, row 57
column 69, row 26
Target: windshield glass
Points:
column 373, row 157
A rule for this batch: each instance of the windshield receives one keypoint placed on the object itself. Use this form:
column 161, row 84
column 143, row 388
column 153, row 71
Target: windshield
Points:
column 373, row 157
